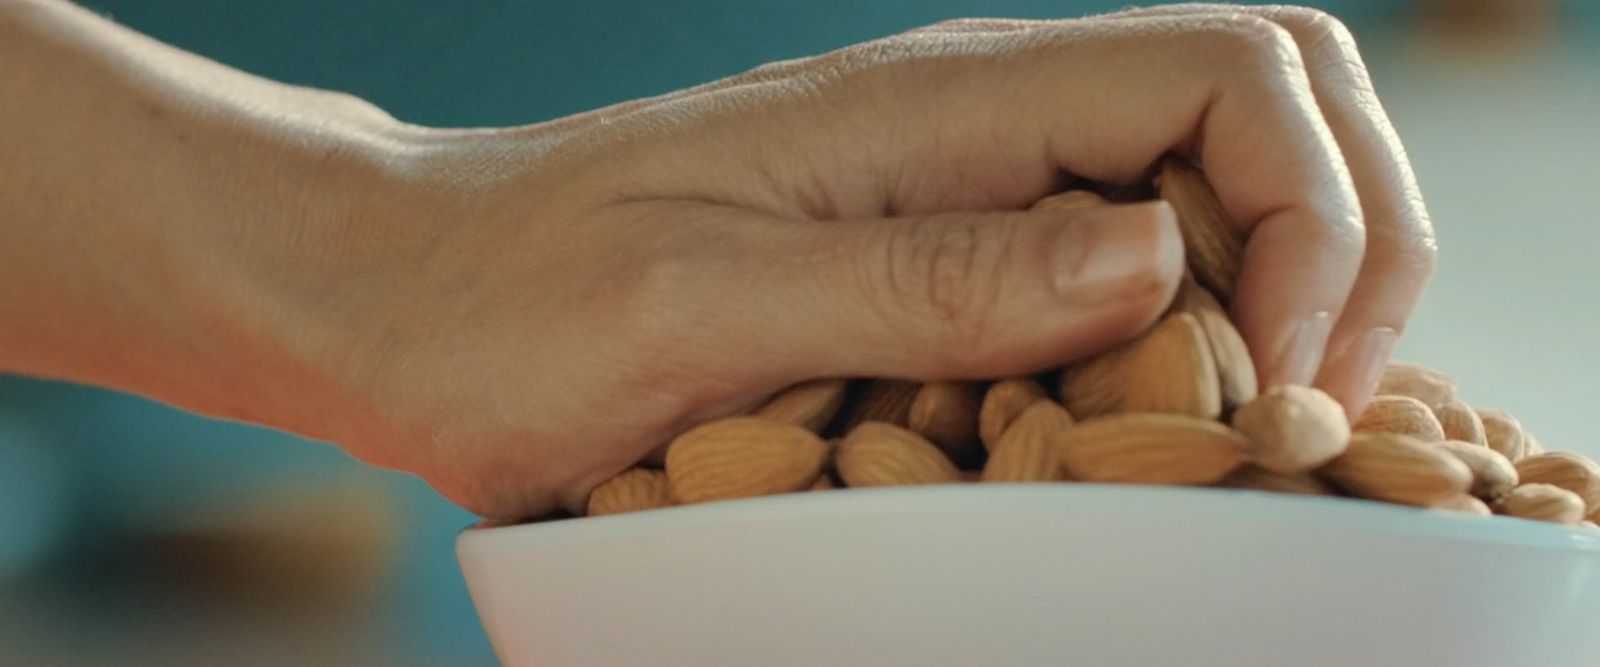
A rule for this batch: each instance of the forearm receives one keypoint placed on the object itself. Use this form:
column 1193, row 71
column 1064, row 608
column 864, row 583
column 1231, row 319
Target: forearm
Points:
column 132, row 178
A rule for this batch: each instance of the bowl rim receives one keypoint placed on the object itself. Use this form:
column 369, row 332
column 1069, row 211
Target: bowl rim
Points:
column 1240, row 505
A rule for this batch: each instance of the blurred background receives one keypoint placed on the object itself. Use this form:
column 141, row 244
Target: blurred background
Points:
column 132, row 533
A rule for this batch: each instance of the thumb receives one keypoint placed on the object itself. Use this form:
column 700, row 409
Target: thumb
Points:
column 973, row 294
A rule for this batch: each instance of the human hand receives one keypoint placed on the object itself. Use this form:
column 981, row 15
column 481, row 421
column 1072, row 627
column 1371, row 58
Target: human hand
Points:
column 518, row 314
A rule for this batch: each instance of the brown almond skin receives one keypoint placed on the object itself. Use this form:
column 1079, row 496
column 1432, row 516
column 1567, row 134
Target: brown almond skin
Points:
column 1399, row 414
column 1465, row 504
column 1027, row 451
column 1417, row 381
column 823, row 483
column 1151, row 448
column 882, row 401
column 882, row 454
column 1235, row 370
column 1256, row 478
column 1460, row 422
column 740, row 457
column 633, row 490
column 1212, row 241
column 1503, row 433
column 946, row 413
column 1573, row 472
column 1542, row 502
column 811, row 405
column 1293, row 429
column 1171, row 370
column 1492, row 473
column 1002, row 404
column 1095, row 386
column 1398, row 469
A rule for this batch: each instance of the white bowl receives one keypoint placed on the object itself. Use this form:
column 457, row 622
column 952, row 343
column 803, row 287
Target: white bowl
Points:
column 1059, row 574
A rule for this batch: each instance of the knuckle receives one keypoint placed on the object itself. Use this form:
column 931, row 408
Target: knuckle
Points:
column 948, row 273
column 1313, row 27
column 1253, row 39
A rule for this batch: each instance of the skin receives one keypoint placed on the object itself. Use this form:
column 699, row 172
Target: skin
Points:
column 516, row 314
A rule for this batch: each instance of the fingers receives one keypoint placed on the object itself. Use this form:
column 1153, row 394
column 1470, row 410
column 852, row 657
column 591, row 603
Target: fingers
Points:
column 1400, row 251
column 961, row 295
column 1108, row 98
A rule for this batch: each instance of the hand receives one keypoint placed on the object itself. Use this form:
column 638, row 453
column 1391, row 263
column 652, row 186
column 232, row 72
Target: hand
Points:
column 518, row 314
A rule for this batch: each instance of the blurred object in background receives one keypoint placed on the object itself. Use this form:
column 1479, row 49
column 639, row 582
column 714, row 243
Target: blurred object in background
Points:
column 135, row 534
column 1480, row 30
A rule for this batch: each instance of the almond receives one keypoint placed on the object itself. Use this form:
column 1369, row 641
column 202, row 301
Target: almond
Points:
column 1398, row 468
column 1151, row 448
column 883, row 401
column 1542, row 502
column 1002, row 403
column 1417, row 381
column 823, row 483
column 1460, row 422
column 1399, row 414
column 1027, row 451
column 1235, row 371
column 811, row 405
column 1256, row 478
column 739, row 457
column 1171, row 370
column 1095, row 386
column 1492, row 473
column 1293, row 429
column 1573, row 472
column 1503, row 433
column 1069, row 200
column 882, row 454
column 1531, row 445
column 632, row 491
column 946, row 413
column 1466, row 504
column 1212, row 241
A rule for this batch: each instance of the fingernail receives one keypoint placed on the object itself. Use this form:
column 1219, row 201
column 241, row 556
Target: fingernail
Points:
column 1300, row 355
column 1113, row 244
column 1355, row 373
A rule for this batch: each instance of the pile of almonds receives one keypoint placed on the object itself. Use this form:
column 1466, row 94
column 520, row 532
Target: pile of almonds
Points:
column 1178, row 405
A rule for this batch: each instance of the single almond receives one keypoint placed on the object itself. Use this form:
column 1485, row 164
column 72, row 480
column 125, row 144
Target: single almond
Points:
column 1399, row 414
column 1256, row 478
column 1573, row 472
column 1417, row 381
column 739, row 457
column 1460, row 422
column 1465, row 504
column 1235, row 371
column 1212, row 241
column 1069, row 201
column 1542, row 502
column 1399, row 469
column 882, row 401
column 1027, row 451
column 1151, row 448
column 1503, row 433
column 946, row 413
column 1171, row 370
column 633, row 490
column 1492, row 473
column 1095, row 386
column 1293, row 429
column 1002, row 404
column 811, row 405
column 882, row 454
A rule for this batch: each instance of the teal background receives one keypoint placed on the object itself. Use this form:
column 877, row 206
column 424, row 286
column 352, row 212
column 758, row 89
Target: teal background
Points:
column 84, row 473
